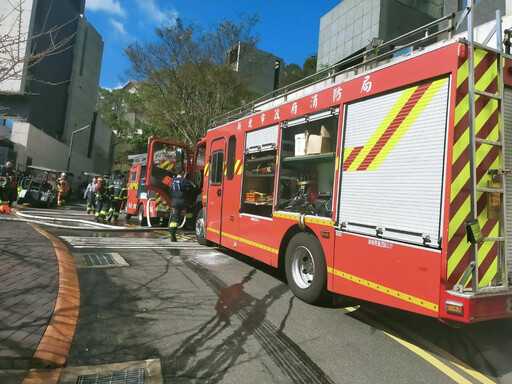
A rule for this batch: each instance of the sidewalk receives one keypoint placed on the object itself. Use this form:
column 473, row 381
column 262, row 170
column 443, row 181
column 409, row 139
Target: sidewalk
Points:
column 39, row 302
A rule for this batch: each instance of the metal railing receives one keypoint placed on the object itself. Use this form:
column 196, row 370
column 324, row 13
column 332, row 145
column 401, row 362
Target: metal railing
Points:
column 387, row 48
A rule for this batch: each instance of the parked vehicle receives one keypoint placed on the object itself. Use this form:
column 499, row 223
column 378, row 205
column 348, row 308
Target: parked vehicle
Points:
column 39, row 187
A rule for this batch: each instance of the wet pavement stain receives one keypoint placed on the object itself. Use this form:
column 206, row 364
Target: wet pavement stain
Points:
column 235, row 302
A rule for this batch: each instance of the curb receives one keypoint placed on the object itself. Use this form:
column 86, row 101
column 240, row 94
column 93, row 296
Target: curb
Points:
column 53, row 349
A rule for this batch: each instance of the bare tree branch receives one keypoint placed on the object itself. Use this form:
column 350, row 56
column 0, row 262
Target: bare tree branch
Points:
column 19, row 50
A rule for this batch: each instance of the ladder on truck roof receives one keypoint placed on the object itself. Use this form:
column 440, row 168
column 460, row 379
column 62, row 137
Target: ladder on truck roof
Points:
column 495, row 190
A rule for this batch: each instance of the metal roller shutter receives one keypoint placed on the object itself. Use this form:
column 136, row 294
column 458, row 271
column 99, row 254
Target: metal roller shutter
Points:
column 262, row 139
column 393, row 164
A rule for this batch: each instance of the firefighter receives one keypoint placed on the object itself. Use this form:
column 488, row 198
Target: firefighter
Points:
column 6, row 176
column 63, row 189
column 90, row 195
column 117, row 192
column 181, row 188
column 12, row 185
column 102, row 199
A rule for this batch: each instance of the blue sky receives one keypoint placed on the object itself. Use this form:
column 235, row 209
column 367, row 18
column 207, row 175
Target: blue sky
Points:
column 288, row 28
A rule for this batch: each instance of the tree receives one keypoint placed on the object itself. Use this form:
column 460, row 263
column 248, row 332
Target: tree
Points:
column 19, row 48
column 185, row 80
column 294, row 73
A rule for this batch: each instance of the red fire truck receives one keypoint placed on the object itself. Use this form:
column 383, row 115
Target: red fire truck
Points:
column 383, row 182
column 144, row 199
column 156, row 180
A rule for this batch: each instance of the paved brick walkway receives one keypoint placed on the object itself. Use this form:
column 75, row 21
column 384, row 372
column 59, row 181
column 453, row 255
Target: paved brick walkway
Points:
column 29, row 280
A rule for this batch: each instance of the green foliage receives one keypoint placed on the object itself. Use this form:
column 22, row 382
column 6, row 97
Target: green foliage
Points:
column 294, row 73
column 184, row 81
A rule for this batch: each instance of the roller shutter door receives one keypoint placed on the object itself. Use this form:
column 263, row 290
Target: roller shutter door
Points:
column 393, row 164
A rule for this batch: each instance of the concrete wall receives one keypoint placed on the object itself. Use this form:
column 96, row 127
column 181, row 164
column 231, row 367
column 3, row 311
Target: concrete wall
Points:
column 46, row 151
column 23, row 20
column 49, row 89
column 352, row 25
column 102, row 151
column 484, row 10
column 409, row 19
column 259, row 67
column 347, row 28
column 83, row 87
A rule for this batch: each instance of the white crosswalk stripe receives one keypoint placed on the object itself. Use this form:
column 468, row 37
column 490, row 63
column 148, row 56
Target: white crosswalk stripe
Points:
column 130, row 243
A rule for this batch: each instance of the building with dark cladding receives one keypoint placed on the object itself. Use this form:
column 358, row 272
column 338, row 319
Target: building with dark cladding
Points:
column 56, row 96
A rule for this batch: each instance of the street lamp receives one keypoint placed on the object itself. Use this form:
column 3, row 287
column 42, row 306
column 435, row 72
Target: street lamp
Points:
column 71, row 144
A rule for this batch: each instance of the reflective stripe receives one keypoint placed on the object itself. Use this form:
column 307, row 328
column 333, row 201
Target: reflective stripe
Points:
column 245, row 241
column 388, row 291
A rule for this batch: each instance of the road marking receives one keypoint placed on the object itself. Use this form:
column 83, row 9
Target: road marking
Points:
column 130, row 243
column 431, row 359
column 458, row 378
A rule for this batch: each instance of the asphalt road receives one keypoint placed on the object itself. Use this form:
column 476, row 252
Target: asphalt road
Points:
column 214, row 316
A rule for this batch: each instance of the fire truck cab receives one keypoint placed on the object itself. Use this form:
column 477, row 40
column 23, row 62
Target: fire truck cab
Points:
column 150, row 205
column 165, row 156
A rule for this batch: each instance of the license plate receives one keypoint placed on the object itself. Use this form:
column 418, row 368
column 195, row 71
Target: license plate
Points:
column 23, row 193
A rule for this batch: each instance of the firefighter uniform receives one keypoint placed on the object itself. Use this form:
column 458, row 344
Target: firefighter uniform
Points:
column 181, row 188
column 102, row 199
column 6, row 177
column 63, row 189
column 117, row 192
column 90, row 195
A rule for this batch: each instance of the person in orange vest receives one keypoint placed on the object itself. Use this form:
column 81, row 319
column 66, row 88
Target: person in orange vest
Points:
column 63, row 188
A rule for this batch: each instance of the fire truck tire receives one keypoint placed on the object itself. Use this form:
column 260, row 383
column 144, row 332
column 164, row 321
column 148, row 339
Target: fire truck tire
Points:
column 201, row 229
column 305, row 268
column 141, row 219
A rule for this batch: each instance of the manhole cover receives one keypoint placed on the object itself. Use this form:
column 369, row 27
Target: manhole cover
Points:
column 91, row 259
column 135, row 376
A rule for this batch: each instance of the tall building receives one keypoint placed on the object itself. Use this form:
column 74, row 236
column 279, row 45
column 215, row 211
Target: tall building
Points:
column 49, row 99
column 351, row 26
column 262, row 69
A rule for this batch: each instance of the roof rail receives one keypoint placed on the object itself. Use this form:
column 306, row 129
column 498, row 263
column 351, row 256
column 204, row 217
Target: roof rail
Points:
column 387, row 48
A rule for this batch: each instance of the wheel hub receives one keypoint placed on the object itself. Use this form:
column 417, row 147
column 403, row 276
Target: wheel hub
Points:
column 303, row 267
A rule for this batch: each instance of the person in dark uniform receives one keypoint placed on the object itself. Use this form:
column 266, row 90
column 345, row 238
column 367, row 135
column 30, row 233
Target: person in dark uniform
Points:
column 180, row 190
column 102, row 199
column 6, row 176
column 117, row 191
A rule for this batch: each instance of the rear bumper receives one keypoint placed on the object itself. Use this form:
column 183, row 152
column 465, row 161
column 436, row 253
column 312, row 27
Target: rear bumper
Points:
column 476, row 307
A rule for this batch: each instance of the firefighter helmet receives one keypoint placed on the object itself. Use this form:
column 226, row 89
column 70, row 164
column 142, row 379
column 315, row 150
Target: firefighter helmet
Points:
column 63, row 174
column 5, row 209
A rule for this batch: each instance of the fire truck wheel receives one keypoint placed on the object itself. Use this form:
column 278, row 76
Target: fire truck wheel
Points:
column 201, row 229
column 305, row 267
column 140, row 216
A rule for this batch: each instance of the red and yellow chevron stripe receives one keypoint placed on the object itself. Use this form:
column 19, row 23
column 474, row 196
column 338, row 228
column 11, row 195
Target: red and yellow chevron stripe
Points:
column 397, row 122
column 160, row 201
column 487, row 126
column 166, row 164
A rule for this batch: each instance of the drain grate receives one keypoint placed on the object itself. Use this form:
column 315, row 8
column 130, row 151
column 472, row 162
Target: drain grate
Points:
column 91, row 259
column 135, row 376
